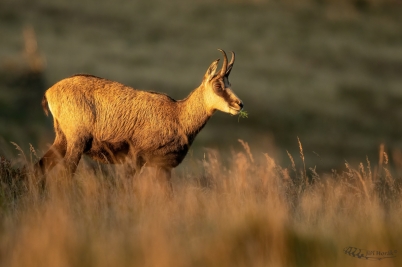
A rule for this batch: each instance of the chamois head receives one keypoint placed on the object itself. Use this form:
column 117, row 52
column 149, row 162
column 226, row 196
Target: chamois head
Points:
column 218, row 95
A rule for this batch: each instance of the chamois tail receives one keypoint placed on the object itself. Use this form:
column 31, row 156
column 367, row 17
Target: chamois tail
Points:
column 45, row 105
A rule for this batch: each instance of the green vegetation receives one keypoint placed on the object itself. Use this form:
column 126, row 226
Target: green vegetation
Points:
column 242, row 114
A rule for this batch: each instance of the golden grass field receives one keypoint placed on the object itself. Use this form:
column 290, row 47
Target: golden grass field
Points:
column 248, row 212
column 328, row 71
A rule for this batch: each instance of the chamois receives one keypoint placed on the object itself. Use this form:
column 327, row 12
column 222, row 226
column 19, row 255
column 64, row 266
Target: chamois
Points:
column 113, row 123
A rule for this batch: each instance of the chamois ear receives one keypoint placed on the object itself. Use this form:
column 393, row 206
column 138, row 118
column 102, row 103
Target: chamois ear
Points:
column 211, row 71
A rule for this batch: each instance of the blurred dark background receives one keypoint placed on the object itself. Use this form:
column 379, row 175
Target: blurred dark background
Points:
column 326, row 71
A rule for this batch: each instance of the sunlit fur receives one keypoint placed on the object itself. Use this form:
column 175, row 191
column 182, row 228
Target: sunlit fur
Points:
column 114, row 123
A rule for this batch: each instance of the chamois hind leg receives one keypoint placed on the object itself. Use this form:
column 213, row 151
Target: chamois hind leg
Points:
column 75, row 149
column 53, row 156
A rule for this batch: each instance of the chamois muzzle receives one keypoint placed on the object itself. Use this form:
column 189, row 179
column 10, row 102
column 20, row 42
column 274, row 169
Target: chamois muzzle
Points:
column 235, row 106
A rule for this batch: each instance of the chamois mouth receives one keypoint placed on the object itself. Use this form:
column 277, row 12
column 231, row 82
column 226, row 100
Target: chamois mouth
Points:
column 235, row 110
column 236, row 105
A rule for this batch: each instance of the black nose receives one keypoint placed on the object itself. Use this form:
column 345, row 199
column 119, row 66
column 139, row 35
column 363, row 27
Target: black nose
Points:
column 241, row 104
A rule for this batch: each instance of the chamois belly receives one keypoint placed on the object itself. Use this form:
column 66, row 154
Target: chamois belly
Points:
column 168, row 155
column 165, row 158
column 106, row 152
column 166, row 151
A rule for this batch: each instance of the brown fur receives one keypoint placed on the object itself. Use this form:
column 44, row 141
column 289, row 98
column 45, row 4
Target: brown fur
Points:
column 111, row 122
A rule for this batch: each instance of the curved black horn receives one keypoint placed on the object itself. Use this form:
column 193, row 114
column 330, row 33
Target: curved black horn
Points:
column 224, row 64
column 230, row 65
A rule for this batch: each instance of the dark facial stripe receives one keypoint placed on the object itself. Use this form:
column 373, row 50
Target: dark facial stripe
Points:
column 219, row 89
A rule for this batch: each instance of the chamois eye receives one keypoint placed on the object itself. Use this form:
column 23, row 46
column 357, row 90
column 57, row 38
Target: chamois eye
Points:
column 217, row 86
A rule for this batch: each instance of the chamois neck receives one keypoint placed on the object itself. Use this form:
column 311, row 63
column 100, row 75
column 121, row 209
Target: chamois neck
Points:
column 193, row 114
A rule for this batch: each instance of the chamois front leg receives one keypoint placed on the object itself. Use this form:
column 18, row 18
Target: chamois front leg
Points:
column 133, row 168
column 134, row 164
column 164, row 175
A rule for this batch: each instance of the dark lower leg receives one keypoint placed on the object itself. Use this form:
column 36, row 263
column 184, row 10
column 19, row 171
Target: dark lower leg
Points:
column 73, row 156
column 50, row 159
column 71, row 163
column 164, row 176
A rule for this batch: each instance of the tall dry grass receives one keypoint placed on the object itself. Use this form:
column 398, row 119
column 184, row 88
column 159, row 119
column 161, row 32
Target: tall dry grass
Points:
column 247, row 212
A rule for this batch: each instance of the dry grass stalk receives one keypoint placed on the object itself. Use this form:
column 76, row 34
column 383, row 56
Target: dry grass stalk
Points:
column 247, row 148
column 304, row 163
column 292, row 161
column 250, row 215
